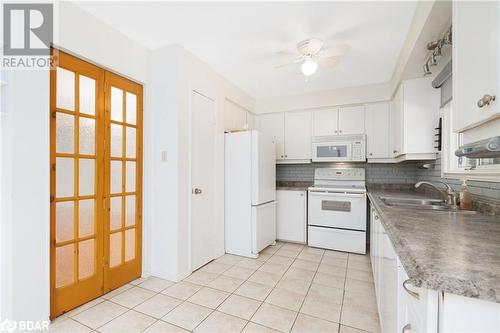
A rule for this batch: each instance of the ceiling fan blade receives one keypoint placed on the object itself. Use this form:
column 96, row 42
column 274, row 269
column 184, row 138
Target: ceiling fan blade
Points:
column 335, row 51
column 329, row 62
column 294, row 61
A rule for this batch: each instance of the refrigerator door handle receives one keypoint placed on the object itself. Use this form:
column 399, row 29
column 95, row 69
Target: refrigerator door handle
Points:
column 265, row 204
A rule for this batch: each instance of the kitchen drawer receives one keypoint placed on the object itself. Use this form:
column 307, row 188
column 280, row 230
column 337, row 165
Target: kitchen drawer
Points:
column 337, row 239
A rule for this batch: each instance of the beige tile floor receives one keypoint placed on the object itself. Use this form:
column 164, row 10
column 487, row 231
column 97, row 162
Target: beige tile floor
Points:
column 289, row 288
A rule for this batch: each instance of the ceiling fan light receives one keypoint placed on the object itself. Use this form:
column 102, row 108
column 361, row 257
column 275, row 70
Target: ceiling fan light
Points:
column 309, row 67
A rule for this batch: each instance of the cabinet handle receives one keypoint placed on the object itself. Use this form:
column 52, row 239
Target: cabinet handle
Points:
column 371, row 154
column 486, row 100
column 336, row 131
column 405, row 328
column 301, row 194
column 412, row 293
column 281, row 156
column 376, row 217
column 395, row 151
column 286, row 156
column 340, row 131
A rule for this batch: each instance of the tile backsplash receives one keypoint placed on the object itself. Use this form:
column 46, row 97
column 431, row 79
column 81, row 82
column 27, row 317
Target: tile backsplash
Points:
column 400, row 173
column 486, row 189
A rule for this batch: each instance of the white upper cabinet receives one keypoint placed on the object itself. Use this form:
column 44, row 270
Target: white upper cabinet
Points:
column 325, row 122
column 298, row 135
column 377, row 130
column 396, row 123
column 339, row 121
column 413, row 118
column 274, row 124
column 352, row 120
column 475, row 75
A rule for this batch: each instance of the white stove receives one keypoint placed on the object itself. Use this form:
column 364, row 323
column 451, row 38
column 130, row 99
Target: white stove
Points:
column 337, row 210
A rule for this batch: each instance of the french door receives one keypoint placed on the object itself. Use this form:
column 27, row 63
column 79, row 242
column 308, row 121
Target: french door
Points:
column 95, row 182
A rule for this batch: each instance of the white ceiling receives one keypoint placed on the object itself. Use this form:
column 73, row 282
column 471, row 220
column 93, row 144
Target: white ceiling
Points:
column 240, row 39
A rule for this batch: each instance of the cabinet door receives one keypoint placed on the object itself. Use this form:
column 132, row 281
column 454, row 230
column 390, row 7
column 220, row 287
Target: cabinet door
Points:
column 291, row 216
column 325, row 122
column 377, row 130
column 352, row 120
column 475, row 23
column 298, row 135
column 389, row 286
column 396, row 123
column 274, row 124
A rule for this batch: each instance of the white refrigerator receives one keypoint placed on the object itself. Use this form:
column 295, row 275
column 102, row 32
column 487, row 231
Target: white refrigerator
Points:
column 250, row 193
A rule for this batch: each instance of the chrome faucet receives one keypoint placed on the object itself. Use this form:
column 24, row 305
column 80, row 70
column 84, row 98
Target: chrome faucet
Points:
column 449, row 195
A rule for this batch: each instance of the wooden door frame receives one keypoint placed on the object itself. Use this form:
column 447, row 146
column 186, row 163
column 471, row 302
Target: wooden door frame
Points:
column 74, row 298
column 133, row 268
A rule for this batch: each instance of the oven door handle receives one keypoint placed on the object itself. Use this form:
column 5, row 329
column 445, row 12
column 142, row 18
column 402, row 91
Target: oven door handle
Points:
column 337, row 194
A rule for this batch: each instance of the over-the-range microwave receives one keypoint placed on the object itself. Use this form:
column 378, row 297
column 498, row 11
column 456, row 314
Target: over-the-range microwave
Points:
column 339, row 148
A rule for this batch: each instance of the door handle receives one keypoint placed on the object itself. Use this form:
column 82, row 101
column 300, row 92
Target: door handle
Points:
column 412, row 293
column 197, row 191
column 407, row 327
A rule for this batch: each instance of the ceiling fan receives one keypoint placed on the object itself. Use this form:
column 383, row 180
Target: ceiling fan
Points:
column 312, row 53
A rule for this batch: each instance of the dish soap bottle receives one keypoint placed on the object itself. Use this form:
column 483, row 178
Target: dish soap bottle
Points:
column 465, row 196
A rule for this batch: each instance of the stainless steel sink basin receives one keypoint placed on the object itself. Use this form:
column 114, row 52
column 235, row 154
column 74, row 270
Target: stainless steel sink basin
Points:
column 427, row 204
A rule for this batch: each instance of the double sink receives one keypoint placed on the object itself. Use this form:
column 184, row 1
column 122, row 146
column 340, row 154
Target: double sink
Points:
column 427, row 204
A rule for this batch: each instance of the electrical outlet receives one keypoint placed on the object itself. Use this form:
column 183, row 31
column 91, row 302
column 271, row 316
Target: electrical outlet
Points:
column 395, row 170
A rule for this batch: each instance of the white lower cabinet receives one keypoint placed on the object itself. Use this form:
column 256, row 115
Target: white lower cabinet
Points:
column 405, row 308
column 291, row 216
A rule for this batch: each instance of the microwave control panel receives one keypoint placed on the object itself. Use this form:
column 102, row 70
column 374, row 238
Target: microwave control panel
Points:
column 358, row 150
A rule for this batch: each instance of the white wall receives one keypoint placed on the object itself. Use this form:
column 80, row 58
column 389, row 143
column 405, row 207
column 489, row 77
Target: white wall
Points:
column 173, row 81
column 25, row 188
column 344, row 96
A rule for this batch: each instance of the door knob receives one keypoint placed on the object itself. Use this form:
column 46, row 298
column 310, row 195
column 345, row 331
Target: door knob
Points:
column 485, row 100
column 197, row 191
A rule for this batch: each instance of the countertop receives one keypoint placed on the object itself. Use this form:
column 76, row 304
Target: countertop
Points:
column 449, row 252
column 293, row 185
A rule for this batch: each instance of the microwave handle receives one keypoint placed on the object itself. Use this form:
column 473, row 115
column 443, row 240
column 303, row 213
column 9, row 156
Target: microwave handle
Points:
column 338, row 194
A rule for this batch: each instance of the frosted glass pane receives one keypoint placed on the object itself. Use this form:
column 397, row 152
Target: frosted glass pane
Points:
column 129, row 210
column 115, row 249
column 87, row 136
column 116, row 177
column 129, row 244
column 86, row 259
column 131, row 108
column 131, row 141
column 130, row 177
column 86, row 183
column 116, row 140
column 86, row 218
column 87, row 95
column 65, row 93
column 115, row 213
column 65, row 224
column 116, row 104
column 65, row 133
column 65, row 173
column 65, row 262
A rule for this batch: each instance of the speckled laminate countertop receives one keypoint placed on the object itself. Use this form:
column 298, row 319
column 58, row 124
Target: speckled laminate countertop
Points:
column 450, row 252
column 292, row 185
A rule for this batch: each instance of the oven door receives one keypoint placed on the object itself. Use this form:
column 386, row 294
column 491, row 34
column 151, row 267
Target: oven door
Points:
column 331, row 151
column 337, row 210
